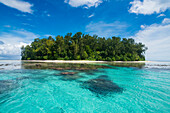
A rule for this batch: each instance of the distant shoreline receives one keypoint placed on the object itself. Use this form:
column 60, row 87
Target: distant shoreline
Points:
column 83, row 61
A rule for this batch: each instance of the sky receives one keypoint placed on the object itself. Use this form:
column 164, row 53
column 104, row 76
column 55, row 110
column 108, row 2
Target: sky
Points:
column 147, row 21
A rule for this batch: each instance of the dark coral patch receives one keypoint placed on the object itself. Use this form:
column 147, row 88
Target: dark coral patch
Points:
column 102, row 85
column 71, row 77
column 68, row 73
column 103, row 77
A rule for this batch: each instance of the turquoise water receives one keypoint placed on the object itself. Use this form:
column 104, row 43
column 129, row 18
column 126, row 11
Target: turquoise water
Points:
column 139, row 90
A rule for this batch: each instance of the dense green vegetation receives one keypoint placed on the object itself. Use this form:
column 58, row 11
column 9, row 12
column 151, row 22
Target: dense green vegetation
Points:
column 84, row 47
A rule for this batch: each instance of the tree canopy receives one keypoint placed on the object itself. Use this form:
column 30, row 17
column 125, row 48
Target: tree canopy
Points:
column 84, row 47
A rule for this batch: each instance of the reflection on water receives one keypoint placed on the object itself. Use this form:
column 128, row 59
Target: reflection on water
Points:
column 97, row 87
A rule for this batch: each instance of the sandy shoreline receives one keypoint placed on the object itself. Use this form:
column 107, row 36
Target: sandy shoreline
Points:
column 83, row 61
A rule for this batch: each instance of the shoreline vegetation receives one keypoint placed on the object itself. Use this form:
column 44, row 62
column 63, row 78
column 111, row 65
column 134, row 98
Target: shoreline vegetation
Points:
column 84, row 47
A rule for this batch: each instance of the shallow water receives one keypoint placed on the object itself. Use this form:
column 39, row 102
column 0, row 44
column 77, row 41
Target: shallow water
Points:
column 42, row 90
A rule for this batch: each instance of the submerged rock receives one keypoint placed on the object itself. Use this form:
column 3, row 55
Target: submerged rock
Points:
column 102, row 85
column 67, row 68
column 68, row 73
column 56, row 110
column 90, row 73
column 7, row 64
column 71, row 77
column 84, row 69
column 58, row 68
column 61, row 68
column 38, row 65
column 103, row 77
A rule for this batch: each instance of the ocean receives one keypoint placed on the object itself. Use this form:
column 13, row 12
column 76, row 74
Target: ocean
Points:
column 84, row 88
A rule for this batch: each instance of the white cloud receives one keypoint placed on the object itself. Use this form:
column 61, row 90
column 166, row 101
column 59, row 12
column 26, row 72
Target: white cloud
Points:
column 19, row 5
column 161, row 15
column 166, row 21
column 106, row 29
column 13, row 42
column 86, row 3
column 91, row 16
column 11, row 49
column 157, row 38
column 16, row 36
column 149, row 6
column 142, row 26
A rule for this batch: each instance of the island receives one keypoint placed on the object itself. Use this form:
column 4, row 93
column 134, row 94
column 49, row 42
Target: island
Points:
column 84, row 47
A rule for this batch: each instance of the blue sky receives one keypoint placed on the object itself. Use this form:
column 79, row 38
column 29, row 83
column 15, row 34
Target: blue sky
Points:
column 146, row 21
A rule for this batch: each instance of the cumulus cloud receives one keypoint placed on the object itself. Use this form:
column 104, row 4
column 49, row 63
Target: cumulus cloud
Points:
column 157, row 38
column 166, row 21
column 19, row 5
column 13, row 41
column 106, row 29
column 11, row 49
column 91, row 16
column 161, row 15
column 142, row 26
column 86, row 3
column 149, row 6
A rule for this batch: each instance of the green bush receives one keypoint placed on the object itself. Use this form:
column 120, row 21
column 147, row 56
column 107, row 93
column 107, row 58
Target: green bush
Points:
column 108, row 59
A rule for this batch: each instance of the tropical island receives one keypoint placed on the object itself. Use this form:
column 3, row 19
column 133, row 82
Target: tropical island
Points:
column 84, row 47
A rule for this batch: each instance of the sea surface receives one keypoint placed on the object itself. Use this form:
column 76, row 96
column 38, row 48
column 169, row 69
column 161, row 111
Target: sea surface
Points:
column 84, row 88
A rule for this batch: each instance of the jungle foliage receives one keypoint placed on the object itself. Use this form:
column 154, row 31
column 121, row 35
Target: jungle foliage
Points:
column 84, row 47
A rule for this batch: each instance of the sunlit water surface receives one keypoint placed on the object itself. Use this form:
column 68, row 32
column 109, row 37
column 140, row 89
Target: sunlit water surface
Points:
column 25, row 90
